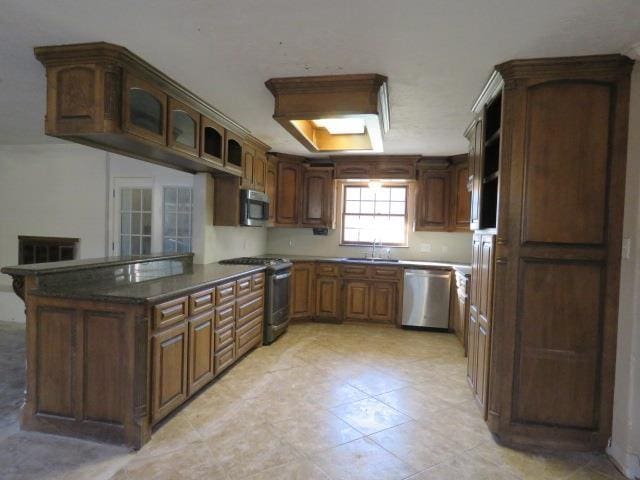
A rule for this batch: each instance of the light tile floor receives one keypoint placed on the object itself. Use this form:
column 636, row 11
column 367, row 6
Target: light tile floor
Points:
column 325, row 402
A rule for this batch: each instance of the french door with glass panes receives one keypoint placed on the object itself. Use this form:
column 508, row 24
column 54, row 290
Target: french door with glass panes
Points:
column 133, row 214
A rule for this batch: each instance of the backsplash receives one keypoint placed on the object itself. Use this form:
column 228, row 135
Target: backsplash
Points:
column 441, row 246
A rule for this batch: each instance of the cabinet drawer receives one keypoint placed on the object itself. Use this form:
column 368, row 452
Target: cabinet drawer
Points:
column 354, row 270
column 223, row 337
column 243, row 286
column 250, row 317
column 225, row 315
column 386, row 273
column 250, row 305
column 169, row 313
column 201, row 301
column 327, row 269
column 224, row 359
column 225, row 293
column 257, row 282
column 249, row 336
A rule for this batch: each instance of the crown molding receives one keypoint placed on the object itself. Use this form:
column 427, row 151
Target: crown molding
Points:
column 633, row 51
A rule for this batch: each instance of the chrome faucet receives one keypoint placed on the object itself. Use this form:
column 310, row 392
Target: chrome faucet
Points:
column 373, row 249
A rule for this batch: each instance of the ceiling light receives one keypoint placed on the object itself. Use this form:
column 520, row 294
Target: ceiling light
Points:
column 375, row 184
column 333, row 113
column 341, row 126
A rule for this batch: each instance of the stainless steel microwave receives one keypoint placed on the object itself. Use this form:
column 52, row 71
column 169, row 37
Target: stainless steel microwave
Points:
column 254, row 208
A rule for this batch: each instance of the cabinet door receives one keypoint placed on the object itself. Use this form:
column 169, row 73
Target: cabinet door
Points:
column 357, row 300
column 287, row 211
column 169, row 370
column 211, row 141
column 472, row 349
column 476, row 182
column 382, row 307
column 259, row 171
column 145, row 108
column 327, row 298
column 233, row 152
column 301, row 290
column 184, row 128
column 247, row 166
column 271, row 186
column 461, row 198
column 433, row 200
column 201, row 349
column 317, row 197
column 472, row 333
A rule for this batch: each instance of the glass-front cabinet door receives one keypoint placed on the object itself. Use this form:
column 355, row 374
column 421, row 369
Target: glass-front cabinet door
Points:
column 234, row 152
column 145, row 109
column 211, row 141
column 184, row 127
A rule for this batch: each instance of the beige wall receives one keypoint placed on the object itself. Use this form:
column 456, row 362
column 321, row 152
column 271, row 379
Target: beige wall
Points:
column 625, row 447
column 448, row 247
column 49, row 190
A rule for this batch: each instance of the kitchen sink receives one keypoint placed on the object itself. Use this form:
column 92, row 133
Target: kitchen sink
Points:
column 373, row 260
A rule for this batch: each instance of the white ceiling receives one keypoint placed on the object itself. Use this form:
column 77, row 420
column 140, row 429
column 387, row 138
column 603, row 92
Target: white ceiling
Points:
column 436, row 53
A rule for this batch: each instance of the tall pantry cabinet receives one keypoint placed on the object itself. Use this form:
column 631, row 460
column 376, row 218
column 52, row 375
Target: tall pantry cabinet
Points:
column 547, row 166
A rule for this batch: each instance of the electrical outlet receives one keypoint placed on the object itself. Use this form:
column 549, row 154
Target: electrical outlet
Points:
column 291, row 243
column 425, row 247
column 445, row 249
column 626, row 248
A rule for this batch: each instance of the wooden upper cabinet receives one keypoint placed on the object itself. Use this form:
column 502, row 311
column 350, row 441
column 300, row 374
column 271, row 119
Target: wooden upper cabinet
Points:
column 212, row 141
column 184, row 128
column 271, row 186
column 234, row 155
column 249, row 153
column 317, row 197
column 433, row 199
column 375, row 167
column 354, row 170
column 461, row 197
column 259, row 170
column 145, row 107
column 395, row 169
column 475, row 165
column 288, row 193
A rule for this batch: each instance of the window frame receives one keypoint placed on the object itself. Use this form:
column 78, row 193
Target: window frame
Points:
column 407, row 212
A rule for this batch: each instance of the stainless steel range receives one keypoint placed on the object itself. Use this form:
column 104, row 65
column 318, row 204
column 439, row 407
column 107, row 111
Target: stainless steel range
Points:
column 276, row 309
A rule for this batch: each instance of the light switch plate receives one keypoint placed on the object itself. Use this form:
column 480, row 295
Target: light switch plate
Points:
column 425, row 247
column 626, row 248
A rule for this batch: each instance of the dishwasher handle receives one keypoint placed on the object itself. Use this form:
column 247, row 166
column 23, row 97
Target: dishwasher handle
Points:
column 427, row 273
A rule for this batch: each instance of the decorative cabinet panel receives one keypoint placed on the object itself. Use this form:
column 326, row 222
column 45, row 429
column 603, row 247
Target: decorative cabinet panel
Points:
column 383, row 302
column 317, row 197
column 327, row 298
column 460, row 308
column 461, row 197
column 145, row 108
column 247, row 166
column 169, row 351
column 288, row 193
column 356, row 305
column 302, row 286
column 212, row 141
column 200, row 351
column 271, row 186
column 184, row 128
column 259, row 171
column 379, row 167
column 234, row 153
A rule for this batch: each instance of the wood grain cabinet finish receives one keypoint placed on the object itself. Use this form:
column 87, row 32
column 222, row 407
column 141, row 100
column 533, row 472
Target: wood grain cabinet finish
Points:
column 212, row 145
column 202, row 301
column 201, row 350
column 434, row 198
column 259, row 171
column 356, row 300
column 460, row 308
column 249, row 154
column 383, row 302
column 170, row 312
column 460, row 197
column 183, row 128
column 271, row 187
column 302, row 289
column 288, row 193
column 317, row 197
column 169, row 351
column 327, row 297
column 381, row 167
column 548, row 302
column 145, row 110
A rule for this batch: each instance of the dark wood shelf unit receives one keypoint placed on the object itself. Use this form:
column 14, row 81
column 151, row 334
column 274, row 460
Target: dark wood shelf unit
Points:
column 493, row 118
column 491, row 177
column 493, row 139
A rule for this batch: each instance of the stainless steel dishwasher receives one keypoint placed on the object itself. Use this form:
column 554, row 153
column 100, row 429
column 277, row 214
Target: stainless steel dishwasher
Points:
column 426, row 297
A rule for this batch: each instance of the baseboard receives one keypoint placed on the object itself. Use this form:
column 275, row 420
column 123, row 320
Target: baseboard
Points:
column 627, row 463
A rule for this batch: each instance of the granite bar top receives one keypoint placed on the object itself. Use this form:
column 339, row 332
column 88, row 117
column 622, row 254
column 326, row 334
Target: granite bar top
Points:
column 194, row 277
column 463, row 267
column 88, row 264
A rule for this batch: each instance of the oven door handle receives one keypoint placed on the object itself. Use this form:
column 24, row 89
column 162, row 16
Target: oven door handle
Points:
column 282, row 276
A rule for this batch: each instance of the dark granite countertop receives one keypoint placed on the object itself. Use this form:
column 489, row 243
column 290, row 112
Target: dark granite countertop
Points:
column 87, row 264
column 463, row 267
column 194, row 278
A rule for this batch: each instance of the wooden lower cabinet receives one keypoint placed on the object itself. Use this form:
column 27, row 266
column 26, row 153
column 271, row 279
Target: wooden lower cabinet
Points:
column 201, row 351
column 301, row 294
column 460, row 308
column 356, row 303
column 383, row 301
column 169, row 351
column 327, row 298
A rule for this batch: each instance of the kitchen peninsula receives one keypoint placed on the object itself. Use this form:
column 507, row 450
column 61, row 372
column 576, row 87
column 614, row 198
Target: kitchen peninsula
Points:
column 116, row 344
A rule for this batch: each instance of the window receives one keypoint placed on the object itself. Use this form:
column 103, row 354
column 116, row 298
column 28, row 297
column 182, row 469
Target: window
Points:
column 370, row 214
column 135, row 221
column 176, row 236
column 46, row 249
